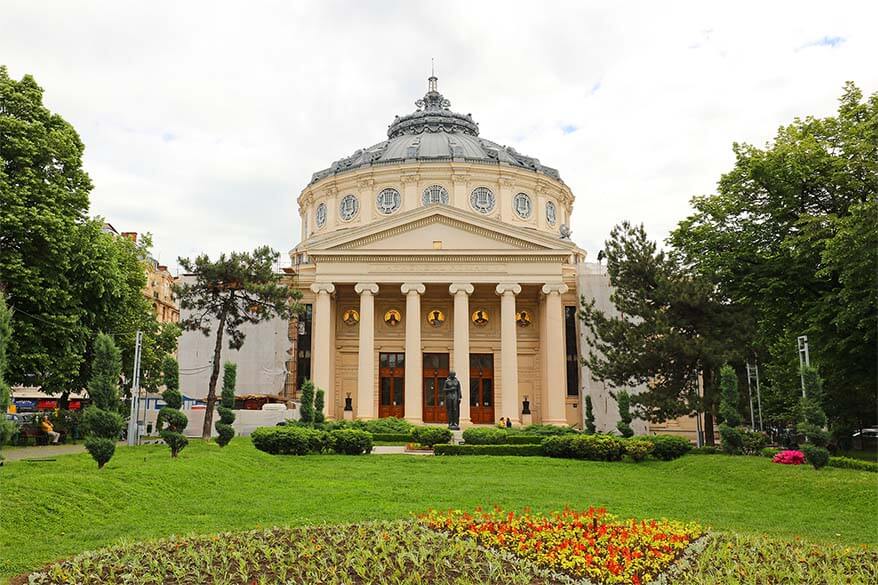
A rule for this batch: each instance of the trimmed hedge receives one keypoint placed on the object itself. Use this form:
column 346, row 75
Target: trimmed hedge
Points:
column 668, row 447
column 522, row 439
column 547, row 430
column 516, row 450
column 705, row 450
column 350, row 442
column 429, row 436
column 851, row 463
column 817, row 456
column 391, row 437
column 770, row 452
column 300, row 440
column 591, row 447
column 485, row 436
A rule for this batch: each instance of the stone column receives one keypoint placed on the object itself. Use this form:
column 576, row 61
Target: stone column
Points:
column 321, row 356
column 461, row 292
column 555, row 410
column 366, row 362
column 414, row 360
column 509, row 350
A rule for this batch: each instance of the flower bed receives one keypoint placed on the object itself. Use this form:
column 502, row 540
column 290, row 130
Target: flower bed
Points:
column 592, row 544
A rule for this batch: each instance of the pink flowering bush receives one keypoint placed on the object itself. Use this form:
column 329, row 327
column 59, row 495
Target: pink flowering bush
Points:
column 789, row 458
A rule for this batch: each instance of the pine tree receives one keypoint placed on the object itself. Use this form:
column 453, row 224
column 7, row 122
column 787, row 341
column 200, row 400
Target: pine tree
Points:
column 227, row 404
column 170, row 414
column 102, row 420
column 589, row 416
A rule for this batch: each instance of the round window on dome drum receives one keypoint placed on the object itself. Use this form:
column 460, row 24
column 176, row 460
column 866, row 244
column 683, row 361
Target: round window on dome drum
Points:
column 321, row 215
column 388, row 201
column 348, row 207
column 551, row 216
column 482, row 200
column 435, row 194
column 523, row 205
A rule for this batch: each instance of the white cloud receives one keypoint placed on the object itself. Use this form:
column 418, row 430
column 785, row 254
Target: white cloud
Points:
column 203, row 121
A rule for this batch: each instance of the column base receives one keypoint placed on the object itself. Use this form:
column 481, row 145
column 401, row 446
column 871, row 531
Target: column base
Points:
column 561, row 422
column 527, row 419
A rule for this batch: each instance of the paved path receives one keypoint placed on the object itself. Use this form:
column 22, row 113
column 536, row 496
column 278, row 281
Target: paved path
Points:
column 41, row 452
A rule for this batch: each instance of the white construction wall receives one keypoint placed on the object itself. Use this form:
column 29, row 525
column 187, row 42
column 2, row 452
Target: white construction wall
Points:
column 594, row 283
column 261, row 361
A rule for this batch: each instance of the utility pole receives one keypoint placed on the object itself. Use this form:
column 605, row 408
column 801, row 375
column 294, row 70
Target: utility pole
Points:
column 804, row 359
column 750, row 393
column 753, row 373
column 133, row 428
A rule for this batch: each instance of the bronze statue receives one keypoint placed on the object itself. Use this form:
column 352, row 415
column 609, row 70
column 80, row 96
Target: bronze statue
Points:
column 452, row 400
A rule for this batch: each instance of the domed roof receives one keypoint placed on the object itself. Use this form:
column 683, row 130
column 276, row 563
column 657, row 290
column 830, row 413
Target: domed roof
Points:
column 434, row 133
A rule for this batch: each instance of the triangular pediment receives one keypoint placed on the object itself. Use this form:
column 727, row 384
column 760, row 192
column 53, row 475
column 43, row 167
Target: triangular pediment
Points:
column 439, row 228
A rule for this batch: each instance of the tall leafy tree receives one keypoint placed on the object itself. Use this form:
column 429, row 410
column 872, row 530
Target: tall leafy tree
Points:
column 671, row 329
column 227, row 293
column 65, row 277
column 791, row 235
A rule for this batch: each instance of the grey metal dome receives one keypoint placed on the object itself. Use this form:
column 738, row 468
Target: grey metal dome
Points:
column 434, row 133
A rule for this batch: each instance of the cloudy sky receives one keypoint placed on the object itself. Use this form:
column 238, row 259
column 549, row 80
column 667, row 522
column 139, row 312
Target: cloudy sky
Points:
column 204, row 120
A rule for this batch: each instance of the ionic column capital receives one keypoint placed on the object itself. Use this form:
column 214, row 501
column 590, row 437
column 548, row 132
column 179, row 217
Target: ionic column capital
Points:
column 413, row 287
column 366, row 288
column 323, row 287
column 508, row 287
column 461, row 287
column 555, row 288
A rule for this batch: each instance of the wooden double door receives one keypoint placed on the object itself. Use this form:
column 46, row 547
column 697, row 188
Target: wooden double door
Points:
column 481, row 388
column 435, row 372
column 391, row 389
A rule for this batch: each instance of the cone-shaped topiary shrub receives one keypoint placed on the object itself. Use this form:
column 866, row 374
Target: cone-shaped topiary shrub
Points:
column 306, row 410
column 102, row 421
column 623, row 399
column 227, row 403
column 171, row 422
column 589, row 416
column 319, row 415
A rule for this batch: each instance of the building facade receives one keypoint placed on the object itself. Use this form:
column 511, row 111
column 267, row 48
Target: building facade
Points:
column 433, row 251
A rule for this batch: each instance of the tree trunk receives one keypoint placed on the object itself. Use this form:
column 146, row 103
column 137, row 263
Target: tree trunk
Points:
column 214, row 375
column 708, row 428
column 708, row 378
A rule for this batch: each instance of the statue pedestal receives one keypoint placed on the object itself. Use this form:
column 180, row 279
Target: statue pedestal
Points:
column 349, row 415
column 526, row 419
column 456, row 437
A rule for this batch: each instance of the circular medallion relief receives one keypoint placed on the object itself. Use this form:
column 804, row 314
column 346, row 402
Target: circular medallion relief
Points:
column 435, row 194
column 350, row 316
column 482, row 200
column 480, row 317
column 436, row 318
column 388, row 201
column 348, row 207
column 321, row 215
column 392, row 318
column 551, row 214
column 524, row 318
column 523, row 205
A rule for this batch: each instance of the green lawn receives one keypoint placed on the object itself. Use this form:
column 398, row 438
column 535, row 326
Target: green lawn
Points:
column 55, row 509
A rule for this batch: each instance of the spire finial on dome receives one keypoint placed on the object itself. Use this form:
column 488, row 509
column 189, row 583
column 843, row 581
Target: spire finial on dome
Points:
column 431, row 81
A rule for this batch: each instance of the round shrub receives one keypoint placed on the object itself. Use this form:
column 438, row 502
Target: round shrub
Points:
column 753, row 442
column 103, row 423
column 816, row 456
column 769, row 452
column 638, row 449
column 668, row 447
column 289, row 440
column 225, row 432
column 485, row 436
column 100, row 448
column 175, row 440
column 815, row 435
column 350, row 441
column 429, row 436
column 175, row 419
column 732, row 440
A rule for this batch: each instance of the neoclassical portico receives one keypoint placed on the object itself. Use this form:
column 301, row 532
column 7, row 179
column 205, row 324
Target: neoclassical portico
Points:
column 438, row 250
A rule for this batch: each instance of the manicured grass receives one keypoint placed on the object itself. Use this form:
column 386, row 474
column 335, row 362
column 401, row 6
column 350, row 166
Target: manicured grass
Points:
column 56, row 509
